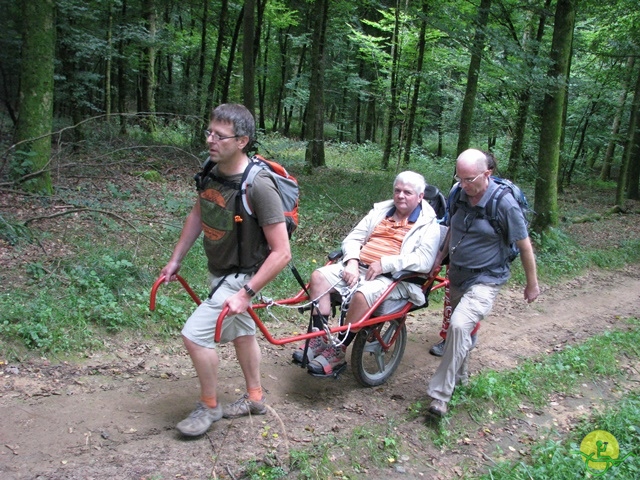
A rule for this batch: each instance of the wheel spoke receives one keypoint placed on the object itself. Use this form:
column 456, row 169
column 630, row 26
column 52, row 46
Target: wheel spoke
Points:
column 380, row 361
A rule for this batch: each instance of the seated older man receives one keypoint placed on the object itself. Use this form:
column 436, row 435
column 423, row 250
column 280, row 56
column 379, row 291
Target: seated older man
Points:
column 397, row 234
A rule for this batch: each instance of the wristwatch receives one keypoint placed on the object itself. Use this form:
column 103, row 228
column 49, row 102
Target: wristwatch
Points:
column 249, row 290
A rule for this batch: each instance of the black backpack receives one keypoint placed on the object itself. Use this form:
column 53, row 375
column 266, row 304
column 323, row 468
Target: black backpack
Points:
column 435, row 198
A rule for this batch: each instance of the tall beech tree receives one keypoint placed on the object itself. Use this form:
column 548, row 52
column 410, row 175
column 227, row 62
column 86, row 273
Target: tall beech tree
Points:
column 314, row 156
column 468, row 104
column 248, row 56
column 546, row 190
column 35, row 113
column 405, row 75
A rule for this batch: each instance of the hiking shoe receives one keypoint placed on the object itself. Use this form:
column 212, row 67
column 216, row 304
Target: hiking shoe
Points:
column 330, row 358
column 243, row 406
column 438, row 408
column 438, row 349
column 199, row 421
column 316, row 346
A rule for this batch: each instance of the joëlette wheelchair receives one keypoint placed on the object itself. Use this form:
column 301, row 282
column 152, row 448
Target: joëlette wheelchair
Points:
column 380, row 340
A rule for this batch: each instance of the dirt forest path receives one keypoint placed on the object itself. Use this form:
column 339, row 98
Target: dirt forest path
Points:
column 112, row 416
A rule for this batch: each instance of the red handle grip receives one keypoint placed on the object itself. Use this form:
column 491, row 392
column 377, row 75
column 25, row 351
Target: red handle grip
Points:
column 160, row 281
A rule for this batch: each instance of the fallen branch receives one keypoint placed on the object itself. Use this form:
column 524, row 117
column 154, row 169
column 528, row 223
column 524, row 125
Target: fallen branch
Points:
column 94, row 210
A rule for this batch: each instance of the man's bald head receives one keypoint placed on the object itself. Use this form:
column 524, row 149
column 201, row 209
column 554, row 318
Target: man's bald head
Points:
column 473, row 159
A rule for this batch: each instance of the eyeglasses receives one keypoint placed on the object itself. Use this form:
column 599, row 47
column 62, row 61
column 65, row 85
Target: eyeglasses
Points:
column 215, row 137
column 467, row 180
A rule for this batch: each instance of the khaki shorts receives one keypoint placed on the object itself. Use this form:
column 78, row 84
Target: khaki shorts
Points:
column 371, row 289
column 200, row 327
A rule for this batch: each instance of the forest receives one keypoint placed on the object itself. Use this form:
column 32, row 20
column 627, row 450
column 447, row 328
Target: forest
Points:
column 102, row 112
column 552, row 88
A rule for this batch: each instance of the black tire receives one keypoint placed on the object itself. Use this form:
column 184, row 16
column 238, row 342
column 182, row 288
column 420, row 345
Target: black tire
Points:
column 371, row 365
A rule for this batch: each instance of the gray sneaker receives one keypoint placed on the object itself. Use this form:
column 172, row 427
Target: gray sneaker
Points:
column 243, row 406
column 438, row 349
column 438, row 408
column 199, row 421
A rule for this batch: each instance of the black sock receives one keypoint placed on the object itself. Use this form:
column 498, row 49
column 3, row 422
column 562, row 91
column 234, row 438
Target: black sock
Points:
column 319, row 321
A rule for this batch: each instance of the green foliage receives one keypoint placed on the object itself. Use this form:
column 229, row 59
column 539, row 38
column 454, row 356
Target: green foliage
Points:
column 348, row 456
column 256, row 471
column 152, row 176
column 13, row 232
column 21, row 164
column 534, row 379
column 559, row 458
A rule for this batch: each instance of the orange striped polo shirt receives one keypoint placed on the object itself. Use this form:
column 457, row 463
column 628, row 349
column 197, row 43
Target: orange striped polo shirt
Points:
column 385, row 240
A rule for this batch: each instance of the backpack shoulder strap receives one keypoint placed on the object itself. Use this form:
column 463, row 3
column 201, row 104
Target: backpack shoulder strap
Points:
column 247, row 180
column 452, row 200
column 491, row 208
column 241, row 202
column 201, row 176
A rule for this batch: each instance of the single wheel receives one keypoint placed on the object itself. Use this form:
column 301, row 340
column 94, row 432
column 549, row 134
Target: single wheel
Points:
column 370, row 363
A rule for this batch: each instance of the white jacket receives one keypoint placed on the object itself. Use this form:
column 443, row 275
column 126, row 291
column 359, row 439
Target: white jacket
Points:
column 418, row 250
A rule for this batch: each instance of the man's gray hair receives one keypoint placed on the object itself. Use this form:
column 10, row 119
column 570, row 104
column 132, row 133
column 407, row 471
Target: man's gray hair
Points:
column 414, row 179
column 240, row 117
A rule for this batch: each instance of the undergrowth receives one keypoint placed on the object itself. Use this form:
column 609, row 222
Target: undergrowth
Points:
column 560, row 457
column 494, row 394
column 354, row 453
column 128, row 223
column 534, row 380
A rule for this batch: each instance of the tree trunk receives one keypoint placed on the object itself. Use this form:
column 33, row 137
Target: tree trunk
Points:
column 524, row 101
column 283, row 43
column 416, row 89
column 262, row 82
column 605, row 173
column 370, row 120
column 215, row 70
column 35, row 113
column 248, row 59
column 392, row 113
column 202, row 54
column 232, row 53
column 122, row 81
column 107, row 68
column 289, row 114
column 631, row 146
column 359, row 103
column 314, row 156
column 148, row 72
column 468, row 104
column 563, row 130
column 262, row 72
column 580, row 149
column 634, row 164
column 546, row 190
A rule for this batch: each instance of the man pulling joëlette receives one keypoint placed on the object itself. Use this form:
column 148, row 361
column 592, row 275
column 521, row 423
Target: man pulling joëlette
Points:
column 236, row 273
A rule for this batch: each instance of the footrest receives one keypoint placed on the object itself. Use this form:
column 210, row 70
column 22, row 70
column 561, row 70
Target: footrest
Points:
column 335, row 373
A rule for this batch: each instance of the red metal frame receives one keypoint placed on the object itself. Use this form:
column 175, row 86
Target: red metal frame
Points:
column 366, row 320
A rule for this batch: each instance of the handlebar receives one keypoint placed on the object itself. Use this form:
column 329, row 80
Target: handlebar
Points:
column 160, row 281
